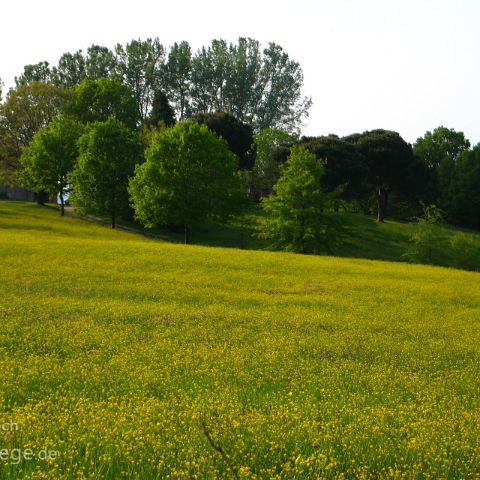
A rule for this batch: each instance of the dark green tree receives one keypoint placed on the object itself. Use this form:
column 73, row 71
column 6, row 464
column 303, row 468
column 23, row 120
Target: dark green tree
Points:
column 389, row 164
column 439, row 151
column 238, row 135
column 97, row 100
column 109, row 152
column 344, row 165
column 50, row 156
column 298, row 218
column 464, row 204
column 161, row 110
column 189, row 176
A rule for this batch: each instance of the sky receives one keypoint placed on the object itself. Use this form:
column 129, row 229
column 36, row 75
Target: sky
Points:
column 408, row 66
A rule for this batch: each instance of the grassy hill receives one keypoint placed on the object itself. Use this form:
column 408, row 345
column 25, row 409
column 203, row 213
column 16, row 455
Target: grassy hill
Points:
column 135, row 358
column 363, row 236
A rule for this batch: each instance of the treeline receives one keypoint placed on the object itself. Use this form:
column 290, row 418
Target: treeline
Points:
column 261, row 87
column 172, row 139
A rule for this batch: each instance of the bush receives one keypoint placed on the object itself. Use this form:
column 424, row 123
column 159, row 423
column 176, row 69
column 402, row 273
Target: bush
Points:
column 465, row 251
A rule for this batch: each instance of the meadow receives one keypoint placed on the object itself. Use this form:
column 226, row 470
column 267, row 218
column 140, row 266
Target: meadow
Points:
column 130, row 357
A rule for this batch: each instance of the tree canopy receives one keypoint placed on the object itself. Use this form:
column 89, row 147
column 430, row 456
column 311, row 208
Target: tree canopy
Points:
column 298, row 217
column 50, row 156
column 108, row 153
column 189, row 175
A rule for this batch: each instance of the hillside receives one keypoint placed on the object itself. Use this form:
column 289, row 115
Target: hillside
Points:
column 136, row 358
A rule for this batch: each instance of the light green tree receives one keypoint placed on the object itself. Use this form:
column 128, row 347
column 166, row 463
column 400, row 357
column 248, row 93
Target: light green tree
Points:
column 189, row 176
column 298, row 217
column 108, row 154
column 49, row 158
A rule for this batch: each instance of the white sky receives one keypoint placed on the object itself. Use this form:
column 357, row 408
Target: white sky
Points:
column 405, row 65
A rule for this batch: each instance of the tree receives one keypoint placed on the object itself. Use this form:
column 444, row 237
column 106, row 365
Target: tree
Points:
column 260, row 88
column 50, row 157
column 389, row 163
column 108, row 154
column 189, row 176
column 26, row 109
column 426, row 245
column 464, row 204
column 238, row 135
column 140, row 66
column 297, row 211
column 161, row 111
column 38, row 72
column 178, row 77
column 97, row 100
column 272, row 148
column 100, row 62
column 344, row 165
column 70, row 70
column 439, row 151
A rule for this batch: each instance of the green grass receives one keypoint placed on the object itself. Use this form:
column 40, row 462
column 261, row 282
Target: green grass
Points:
column 363, row 236
column 136, row 358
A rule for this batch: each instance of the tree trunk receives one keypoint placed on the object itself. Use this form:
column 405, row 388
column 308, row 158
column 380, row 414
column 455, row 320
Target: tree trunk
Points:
column 41, row 197
column 382, row 196
column 62, row 205
column 186, row 235
column 113, row 220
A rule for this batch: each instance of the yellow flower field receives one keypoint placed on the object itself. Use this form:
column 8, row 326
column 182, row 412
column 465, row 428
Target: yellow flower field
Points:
column 128, row 358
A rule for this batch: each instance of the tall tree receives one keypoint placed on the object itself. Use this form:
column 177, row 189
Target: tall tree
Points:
column 97, row 100
column 389, row 163
column 189, row 175
column 100, row 62
column 178, row 78
column 140, row 65
column 109, row 152
column 70, row 70
column 50, row 156
column 297, row 211
column 439, row 151
column 238, row 135
column 38, row 72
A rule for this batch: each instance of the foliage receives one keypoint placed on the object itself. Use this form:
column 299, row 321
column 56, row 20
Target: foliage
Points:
column 298, row 218
column 465, row 250
column 161, row 111
column 344, row 165
column 189, row 175
column 439, row 151
column 50, row 156
column 259, row 88
column 109, row 152
column 97, row 100
column 464, row 202
column 272, row 147
column 26, row 109
column 389, row 164
column 426, row 245
column 238, row 135
column 115, row 349
column 140, row 67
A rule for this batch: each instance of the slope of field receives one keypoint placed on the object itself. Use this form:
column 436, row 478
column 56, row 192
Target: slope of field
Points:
column 134, row 358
